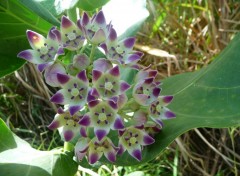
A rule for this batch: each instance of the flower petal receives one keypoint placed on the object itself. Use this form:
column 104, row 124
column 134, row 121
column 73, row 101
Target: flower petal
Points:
column 62, row 78
column 113, row 104
column 74, row 109
column 68, row 135
column 51, row 72
column 85, row 19
column 99, row 37
column 140, row 117
column 36, row 40
column 83, row 131
column 156, row 91
column 85, row 120
column 57, row 98
column 54, row 125
column 81, row 148
column 129, row 42
column 100, row 19
column 124, row 86
column 41, row 67
column 132, row 58
column 101, row 133
column 141, row 99
column 136, row 153
column 147, row 140
column 82, row 76
column 118, row 123
column 112, row 35
column 122, row 99
column 66, row 23
column 31, row 56
column 102, row 65
column 93, row 103
column 96, row 75
column 110, row 155
column 121, row 150
column 94, row 157
column 115, row 71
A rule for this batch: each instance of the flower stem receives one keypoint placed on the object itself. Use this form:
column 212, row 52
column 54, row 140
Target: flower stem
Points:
column 92, row 52
column 68, row 147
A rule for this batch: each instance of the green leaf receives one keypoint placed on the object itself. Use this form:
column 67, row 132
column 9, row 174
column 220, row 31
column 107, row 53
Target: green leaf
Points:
column 6, row 134
column 206, row 98
column 18, row 158
column 42, row 8
column 15, row 20
column 90, row 5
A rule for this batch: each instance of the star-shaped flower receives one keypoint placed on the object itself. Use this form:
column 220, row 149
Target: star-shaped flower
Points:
column 108, row 84
column 74, row 91
column 158, row 110
column 132, row 139
column 44, row 50
column 102, row 117
column 69, row 122
column 95, row 29
column 72, row 36
column 121, row 52
column 94, row 149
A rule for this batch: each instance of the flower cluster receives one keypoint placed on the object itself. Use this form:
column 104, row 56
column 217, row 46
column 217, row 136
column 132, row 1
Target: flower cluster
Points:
column 92, row 96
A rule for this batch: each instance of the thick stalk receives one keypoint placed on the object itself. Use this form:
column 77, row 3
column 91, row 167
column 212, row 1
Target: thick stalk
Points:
column 68, row 147
column 92, row 53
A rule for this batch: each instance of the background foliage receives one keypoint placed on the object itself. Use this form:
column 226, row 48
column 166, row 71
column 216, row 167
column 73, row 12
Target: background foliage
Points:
column 193, row 32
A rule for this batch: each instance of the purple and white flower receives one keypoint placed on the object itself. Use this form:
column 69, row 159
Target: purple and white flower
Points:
column 102, row 117
column 69, row 122
column 94, row 149
column 72, row 37
column 108, row 84
column 74, row 91
column 158, row 110
column 132, row 139
column 44, row 50
column 121, row 52
column 95, row 28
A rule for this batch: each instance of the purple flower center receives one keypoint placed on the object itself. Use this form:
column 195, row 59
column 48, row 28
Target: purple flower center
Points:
column 156, row 108
column 47, row 52
column 73, row 39
column 76, row 91
column 103, row 117
column 131, row 138
column 72, row 120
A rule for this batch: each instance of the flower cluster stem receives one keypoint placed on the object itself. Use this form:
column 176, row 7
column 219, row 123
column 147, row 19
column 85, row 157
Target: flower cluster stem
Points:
column 92, row 52
column 68, row 147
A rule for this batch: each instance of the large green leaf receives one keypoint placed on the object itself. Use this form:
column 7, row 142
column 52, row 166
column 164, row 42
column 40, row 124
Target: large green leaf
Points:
column 18, row 158
column 15, row 20
column 43, row 8
column 209, row 97
column 90, row 5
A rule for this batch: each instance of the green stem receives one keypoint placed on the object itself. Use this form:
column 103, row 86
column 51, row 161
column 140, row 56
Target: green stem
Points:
column 83, row 48
column 92, row 53
column 68, row 147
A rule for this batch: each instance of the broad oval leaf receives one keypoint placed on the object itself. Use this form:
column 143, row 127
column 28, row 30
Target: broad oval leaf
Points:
column 209, row 97
column 15, row 20
column 17, row 157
